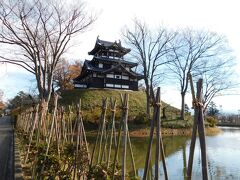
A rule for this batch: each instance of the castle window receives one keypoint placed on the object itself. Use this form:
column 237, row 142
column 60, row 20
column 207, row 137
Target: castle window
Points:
column 125, row 86
column 80, row 85
column 117, row 76
column 100, row 65
column 104, row 54
column 99, row 75
column 109, row 85
column 117, row 86
column 94, row 75
column 125, row 77
column 110, row 75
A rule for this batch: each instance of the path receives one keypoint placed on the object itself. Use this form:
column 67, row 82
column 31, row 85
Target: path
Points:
column 6, row 149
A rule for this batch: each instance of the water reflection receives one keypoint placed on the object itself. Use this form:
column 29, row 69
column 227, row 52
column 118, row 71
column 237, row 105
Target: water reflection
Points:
column 223, row 153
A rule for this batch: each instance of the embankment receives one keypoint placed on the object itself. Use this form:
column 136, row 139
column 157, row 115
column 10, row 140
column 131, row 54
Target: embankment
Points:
column 210, row 131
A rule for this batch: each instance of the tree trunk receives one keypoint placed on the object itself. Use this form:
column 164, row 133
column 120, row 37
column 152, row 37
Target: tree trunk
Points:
column 182, row 116
column 148, row 105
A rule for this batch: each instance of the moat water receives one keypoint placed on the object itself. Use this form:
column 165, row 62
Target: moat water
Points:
column 223, row 154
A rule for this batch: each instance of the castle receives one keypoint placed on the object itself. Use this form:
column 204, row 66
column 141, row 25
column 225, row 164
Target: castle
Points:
column 108, row 68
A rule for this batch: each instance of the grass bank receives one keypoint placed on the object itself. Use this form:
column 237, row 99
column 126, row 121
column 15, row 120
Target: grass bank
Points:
column 138, row 123
column 92, row 101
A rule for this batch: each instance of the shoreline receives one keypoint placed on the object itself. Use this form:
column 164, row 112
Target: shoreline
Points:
column 166, row 132
column 210, row 131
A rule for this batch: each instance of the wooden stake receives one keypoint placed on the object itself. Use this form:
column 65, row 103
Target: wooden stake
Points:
column 118, row 143
column 32, row 131
column 83, row 129
column 103, row 129
column 158, row 119
column 201, row 132
column 51, row 130
column 131, row 153
column 125, row 134
column 148, row 155
column 198, row 125
column 163, row 159
column 113, row 113
column 194, row 132
column 100, row 132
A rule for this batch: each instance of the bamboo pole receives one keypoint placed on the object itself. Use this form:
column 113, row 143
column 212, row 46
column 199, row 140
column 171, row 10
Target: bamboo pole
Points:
column 70, row 124
column 125, row 134
column 201, row 132
column 32, row 131
column 198, row 126
column 56, row 132
column 131, row 153
column 158, row 119
column 184, row 161
column 23, row 116
column 113, row 113
column 77, row 147
column 103, row 128
column 118, row 143
column 99, row 133
column 83, row 129
column 194, row 131
column 42, row 121
column 51, row 130
column 159, row 144
column 105, row 140
column 95, row 145
column 163, row 159
column 148, row 155
column 64, row 127
column 117, row 150
column 30, row 120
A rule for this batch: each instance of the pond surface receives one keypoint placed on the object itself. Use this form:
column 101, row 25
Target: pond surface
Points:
column 223, row 153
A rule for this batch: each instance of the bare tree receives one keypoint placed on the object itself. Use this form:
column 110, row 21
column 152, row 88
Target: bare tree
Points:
column 218, row 80
column 149, row 49
column 38, row 33
column 190, row 52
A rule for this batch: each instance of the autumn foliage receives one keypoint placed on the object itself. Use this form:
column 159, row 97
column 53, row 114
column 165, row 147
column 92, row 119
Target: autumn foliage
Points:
column 65, row 73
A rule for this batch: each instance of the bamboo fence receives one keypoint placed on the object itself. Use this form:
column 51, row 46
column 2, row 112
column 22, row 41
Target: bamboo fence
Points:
column 55, row 145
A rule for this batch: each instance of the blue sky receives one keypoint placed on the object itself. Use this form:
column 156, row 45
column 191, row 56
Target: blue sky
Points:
column 221, row 16
column 14, row 79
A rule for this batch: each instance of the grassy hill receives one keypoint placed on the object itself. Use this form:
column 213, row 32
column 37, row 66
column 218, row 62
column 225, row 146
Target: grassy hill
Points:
column 92, row 100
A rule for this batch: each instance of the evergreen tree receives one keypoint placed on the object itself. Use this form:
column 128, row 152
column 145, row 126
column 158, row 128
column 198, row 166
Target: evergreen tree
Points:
column 212, row 109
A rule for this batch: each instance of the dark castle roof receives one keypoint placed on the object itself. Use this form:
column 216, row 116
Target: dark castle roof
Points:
column 120, row 61
column 120, row 68
column 100, row 44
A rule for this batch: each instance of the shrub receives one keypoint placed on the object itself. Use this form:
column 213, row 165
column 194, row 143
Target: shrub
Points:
column 211, row 121
column 141, row 118
column 177, row 124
